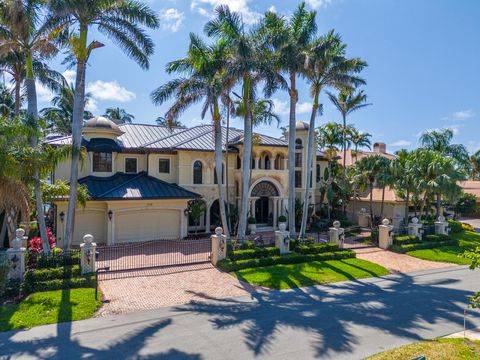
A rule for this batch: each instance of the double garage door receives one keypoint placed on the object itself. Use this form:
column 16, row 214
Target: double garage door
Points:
column 130, row 226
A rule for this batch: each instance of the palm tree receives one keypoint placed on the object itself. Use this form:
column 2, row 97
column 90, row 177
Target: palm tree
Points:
column 119, row 116
column 174, row 123
column 358, row 139
column 59, row 117
column 249, row 62
column 475, row 165
column 121, row 21
column 403, row 171
column 263, row 111
column 7, row 102
column 21, row 33
column 326, row 66
column 205, row 81
column 289, row 39
column 385, row 179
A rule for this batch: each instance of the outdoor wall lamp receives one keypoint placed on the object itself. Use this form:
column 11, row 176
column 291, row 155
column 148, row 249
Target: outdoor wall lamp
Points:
column 62, row 216
column 186, row 212
column 110, row 214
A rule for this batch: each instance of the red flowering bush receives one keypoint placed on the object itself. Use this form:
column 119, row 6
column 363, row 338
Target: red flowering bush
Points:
column 35, row 244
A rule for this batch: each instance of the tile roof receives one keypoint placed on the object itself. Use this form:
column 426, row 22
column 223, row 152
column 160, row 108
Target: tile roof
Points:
column 123, row 186
column 471, row 187
column 154, row 137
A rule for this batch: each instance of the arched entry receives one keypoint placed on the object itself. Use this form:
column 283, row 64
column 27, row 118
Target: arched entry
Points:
column 215, row 215
column 263, row 209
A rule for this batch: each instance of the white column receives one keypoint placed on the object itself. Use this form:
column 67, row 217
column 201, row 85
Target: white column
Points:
column 87, row 255
column 281, row 240
column 385, row 232
column 16, row 256
column 219, row 246
column 336, row 234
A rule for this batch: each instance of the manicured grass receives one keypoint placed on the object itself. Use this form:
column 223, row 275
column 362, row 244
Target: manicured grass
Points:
column 466, row 240
column 438, row 349
column 49, row 307
column 310, row 273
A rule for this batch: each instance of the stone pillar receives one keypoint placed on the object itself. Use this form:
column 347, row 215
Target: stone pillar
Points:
column 16, row 256
column 397, row 222
column 385, row 234
column 219, row 246
column 275, row 212
column 87, row 255
column 257, row 163
column 281, row 239
column 441, row 226
column 336, row 234
column 363, row 218
column 415, row 229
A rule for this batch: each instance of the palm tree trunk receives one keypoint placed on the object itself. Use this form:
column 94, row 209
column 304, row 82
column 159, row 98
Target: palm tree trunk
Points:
column 383, row 203
column 422, row 205
column 17, row 96
column 3, row 228
column 291, row 154
column 407, row 198
column 77, row 124
column 309, row 167
column 218, row 168
column 247, row 158
column 371, row 204
column 439, row 204
column 32, row 115
column 226, row 171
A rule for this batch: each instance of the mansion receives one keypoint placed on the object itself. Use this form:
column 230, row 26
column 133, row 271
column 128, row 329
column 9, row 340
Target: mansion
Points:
column 141, row 178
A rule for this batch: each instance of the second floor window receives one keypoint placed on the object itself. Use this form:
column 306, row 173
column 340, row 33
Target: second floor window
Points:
column 102, row 162
column 131, row 165
column 319, row 173
column 298, row 179
column 197, row 172
column 164, row 166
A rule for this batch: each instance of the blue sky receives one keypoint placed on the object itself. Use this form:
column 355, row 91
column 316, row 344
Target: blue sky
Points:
column 423, row 58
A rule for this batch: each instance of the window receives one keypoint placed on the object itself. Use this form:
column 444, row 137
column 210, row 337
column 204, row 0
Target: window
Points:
column 164, row 166
column 131, row 165
column 298, row 144
column 102, row 162
column 298, row 179
column 319, row 173
column 198, row 172
column 215, row 180
column 267, row 162
column 298, row 159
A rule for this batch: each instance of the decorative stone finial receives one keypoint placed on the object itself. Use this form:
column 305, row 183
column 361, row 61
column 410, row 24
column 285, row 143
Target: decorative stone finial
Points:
column 282, row 226
column 386, row 222
column 218, row 231
column 441, row 218
column 363, row 210
column 336, row 224
column 415, row 220
column 20, row 233
column 88, row 238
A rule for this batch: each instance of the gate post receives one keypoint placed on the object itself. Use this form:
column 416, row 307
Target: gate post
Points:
column 219, row 246
column 16, row 256
column 87, row 255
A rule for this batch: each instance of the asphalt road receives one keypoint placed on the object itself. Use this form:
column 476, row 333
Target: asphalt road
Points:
column 347, row 320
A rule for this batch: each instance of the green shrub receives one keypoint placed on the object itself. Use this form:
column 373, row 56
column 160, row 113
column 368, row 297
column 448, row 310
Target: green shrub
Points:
column 64, row 272
column 229, row 265
column 437, row 238
column 282, row 218
column 408, row 239
column 257, row 252
column 4, row 270
column 57, row 259
column 421, row 246
column 294, row 243
column 316, row 248
column 29, row 286
column 455, row 226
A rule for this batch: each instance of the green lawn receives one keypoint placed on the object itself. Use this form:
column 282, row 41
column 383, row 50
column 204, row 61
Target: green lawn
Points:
column 452, row 254
column 310, row 273
column 437, row 349
column 49, row 307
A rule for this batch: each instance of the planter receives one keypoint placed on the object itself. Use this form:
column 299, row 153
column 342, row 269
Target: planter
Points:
column 252, row 228
column 282, row 225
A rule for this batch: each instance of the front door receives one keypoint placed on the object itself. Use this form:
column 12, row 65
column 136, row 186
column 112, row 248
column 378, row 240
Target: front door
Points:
column 261, row 210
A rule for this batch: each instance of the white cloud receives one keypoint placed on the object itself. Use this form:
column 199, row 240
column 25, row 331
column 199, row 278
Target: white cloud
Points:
column 282, row 108
column 207, row 7
column 401, row 143
column 272, row 9
column 91, row 105
column 463, row 114
column 316, row 4
column 304, row 108
column 70, row 76
column 44, row 94
column 171, row 19
column 109, row 90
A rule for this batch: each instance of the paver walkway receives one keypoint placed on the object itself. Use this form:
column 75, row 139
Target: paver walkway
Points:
column 151, row 289
column 397, row 263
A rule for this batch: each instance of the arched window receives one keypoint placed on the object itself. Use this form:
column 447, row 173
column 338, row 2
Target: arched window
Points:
column 198, row 172
column 279, row 162
column 215, row 180
column 298, row 152
column 298, row 143
column 267, row 162
column 239, row 162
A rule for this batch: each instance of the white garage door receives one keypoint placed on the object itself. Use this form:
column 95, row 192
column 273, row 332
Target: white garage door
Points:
column 90, row 222
column 141, row 225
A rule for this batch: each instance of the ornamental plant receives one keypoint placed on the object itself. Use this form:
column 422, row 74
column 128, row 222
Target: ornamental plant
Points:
column 35, row 244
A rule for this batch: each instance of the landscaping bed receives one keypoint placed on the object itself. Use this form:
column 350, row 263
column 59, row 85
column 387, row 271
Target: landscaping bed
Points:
column 404, row 244
column 438, row 349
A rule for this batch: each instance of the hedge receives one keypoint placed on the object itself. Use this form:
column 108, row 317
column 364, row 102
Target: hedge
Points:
column 421, row 246
column 64, row 272
column 316, row 248
column 229, row 266
column 408, row 239
column 29, row 287
column 55, row 260
column 257, row 252
column 455, row 226
column 294, row 243
column 437, row 238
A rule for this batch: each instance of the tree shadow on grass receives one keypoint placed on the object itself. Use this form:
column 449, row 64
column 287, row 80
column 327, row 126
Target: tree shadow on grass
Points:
column 400, row 306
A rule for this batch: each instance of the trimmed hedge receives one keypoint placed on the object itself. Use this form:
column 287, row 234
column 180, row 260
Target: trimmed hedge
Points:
column 455, row 226
column 29, row 287
column 294, row 243
column 55, row 260
column 65, row 272
column 316, row 248
column 257, row 252
column 422, row 246
column 408, row 239
column 437, row 238
column 229, row 266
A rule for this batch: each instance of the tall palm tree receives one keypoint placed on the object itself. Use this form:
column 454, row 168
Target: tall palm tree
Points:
column 204, row 80
column 119, row 116
column 290, row 38
column 326, row 66
column 263, row 111
column 59, row 117
column 119, row 20
column 385, row 179
column 7, row 102
column 22, row 33
column 248, row 63
column 475, row 165
column 359, row 139
column 162, row 121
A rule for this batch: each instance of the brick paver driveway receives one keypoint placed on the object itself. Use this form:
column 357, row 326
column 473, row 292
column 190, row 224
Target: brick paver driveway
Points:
column 155, row 288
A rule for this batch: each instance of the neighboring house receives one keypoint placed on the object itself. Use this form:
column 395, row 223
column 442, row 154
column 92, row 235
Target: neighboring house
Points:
column 141, row 178
column 472, row 187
